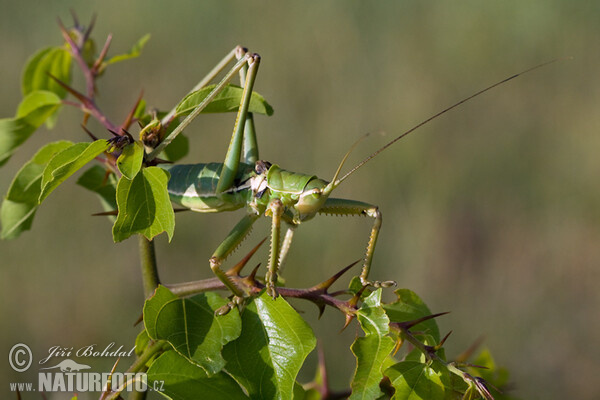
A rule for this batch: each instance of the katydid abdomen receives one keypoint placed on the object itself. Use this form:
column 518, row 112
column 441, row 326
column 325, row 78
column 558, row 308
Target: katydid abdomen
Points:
column 194, row 186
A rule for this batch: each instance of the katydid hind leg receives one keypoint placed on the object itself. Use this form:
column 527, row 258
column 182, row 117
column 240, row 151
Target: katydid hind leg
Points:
column 344, row 207
column 250, row 147
column 227, row 246
column 232, row 158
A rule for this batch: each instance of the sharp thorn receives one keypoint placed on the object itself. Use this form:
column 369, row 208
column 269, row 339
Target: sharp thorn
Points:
column 322, row 367
column 326, row 284
column 106, row 213
column 252, row 277
column 61, row 26
column 468, row 353
column 441, row 343
column 114, row 367
column 102, row 55
column 470, row 365
column 321, row 308
column 128, row 135
column 88, row 31
column 68, row 37
column 74, row 16
column 349, row 318
column 140, row 319
column 90, row 134
column 354, row 300
column 237, row 268
column 125, row 125
column 69, row 89
column 410, row 324
column 115, row 134
column 399, row 343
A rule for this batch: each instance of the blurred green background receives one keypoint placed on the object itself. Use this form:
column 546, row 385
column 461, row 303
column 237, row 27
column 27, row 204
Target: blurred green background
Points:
column 491, row 212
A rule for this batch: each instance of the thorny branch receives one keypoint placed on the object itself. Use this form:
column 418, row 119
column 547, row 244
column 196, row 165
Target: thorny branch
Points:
column 318, row 294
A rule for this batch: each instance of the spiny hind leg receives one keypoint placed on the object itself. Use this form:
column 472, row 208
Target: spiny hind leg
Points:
column 227, row 246
column 250, row 147
column 353, row 207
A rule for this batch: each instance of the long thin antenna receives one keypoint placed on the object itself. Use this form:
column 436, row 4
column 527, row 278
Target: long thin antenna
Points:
column 366, row 160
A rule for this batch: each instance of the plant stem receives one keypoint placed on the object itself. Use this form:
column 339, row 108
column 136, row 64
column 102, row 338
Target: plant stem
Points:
column 149, row 267
column 140, row 363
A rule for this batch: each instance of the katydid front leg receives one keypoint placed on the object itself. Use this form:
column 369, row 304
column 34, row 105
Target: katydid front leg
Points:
column 352, row 207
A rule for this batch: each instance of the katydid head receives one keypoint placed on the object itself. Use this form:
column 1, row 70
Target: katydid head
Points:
column 317, row 191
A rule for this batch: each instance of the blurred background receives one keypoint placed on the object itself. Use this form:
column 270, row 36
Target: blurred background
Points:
column 490, row 212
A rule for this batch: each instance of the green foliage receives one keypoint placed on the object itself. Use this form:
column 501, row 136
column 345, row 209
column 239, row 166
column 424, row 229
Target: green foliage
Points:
column 190, row 326
column 136, row 51
column 272, row 347
column 67, row 162
column 257, row 349
column 178, row 149
column 372, row 349
column 103, row 183
column 36, row 108
column 144, row 205
column 407, row 307
column 184, row 380
column 415, row 381
column 21, row 201
column 42, row 67
column 130, row 160
column 228, row 100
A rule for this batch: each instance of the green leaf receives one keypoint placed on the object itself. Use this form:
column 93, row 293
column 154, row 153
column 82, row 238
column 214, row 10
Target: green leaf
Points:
column 21, row 202
column 227, row 101
column 181, row 380
column 141, row 342
column 67, row 162
column 34, row 101
column 371, row 350
column 415, row 381
column 274, row 343
column 135, row 51
column 408, row 307
column 177, row 149
column 130, row 160
column 140, row 110
column 33, row 111
column 96, row 180
column 493, row 374
column 144, row 205
column 55, row 61
column 191, row 327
